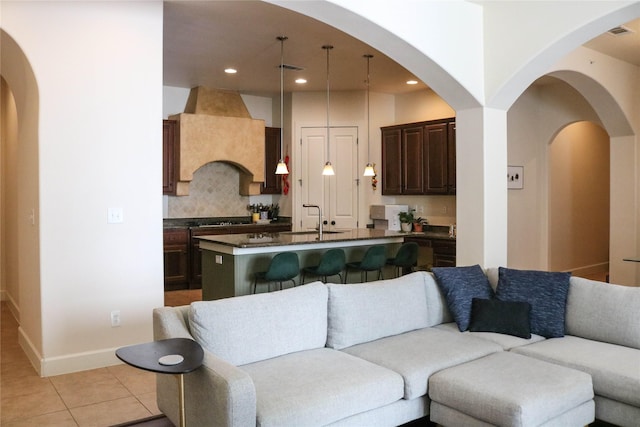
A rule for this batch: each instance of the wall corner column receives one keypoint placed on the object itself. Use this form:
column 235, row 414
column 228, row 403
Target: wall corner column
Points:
column 481, row 187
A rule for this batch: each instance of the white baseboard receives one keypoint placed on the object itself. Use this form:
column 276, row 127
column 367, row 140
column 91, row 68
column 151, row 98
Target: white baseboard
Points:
column 67, row 364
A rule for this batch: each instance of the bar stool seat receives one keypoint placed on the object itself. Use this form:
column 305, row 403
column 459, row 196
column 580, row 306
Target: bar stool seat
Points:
column 406, row 258
column 283, row 267
column 331, row 264
column 374, row 259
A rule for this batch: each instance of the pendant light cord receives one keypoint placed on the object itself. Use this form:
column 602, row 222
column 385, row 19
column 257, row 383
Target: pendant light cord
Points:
column 368, row 110
column 281, row 168
column 328, row 48
column 282, row 39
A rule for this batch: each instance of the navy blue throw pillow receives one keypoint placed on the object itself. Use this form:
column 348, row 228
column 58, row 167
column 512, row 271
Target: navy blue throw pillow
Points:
column 460, row 285
column 502, row 317
column 545, row 291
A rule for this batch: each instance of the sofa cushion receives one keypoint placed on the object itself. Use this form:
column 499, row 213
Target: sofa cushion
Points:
column 507, row 389
column 604, row 312
column 615, row 369
column 319, row 387
column 507, row 342
column 502, row 317
column 459, row 286
column 364, row 312
column 545, row 291
column 249, row 328
column 418, row 354
column 437, row 310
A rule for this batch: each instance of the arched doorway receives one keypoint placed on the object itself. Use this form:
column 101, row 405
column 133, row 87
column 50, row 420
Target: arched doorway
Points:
column 579, row 200
column 20, row 210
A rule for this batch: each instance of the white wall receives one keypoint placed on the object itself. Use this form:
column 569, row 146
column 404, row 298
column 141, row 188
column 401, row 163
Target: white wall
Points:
column 99, row 76
column 533, row 120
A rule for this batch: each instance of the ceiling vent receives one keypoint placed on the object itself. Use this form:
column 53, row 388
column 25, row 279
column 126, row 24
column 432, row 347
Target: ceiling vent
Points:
column 620, row 30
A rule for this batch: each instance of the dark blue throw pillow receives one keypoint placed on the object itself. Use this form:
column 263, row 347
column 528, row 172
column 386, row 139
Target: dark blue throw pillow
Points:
column 460, row 285
column 545, row 291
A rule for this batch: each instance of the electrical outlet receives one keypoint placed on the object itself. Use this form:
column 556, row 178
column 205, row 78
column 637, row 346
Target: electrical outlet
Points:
column 115, row 318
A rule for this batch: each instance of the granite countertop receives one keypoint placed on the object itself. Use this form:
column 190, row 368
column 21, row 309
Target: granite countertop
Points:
column 300, row 237
column 218, row 222
column 432, row 235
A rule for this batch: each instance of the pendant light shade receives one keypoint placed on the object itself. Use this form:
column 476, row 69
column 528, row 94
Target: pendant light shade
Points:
column 282, row 169
column 328, row 168
column 368, row 170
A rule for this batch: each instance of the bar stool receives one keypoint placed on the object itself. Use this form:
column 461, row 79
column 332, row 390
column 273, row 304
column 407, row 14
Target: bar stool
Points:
column 283, row 267
column 374, row 259
column 406, row 258
column 331, row 264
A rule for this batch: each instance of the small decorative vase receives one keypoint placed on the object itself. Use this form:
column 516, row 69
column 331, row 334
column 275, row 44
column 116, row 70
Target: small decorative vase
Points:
column 417, row 227
column 405, row 226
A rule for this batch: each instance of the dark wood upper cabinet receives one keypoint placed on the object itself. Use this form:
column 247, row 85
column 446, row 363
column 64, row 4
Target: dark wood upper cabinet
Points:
column 451, row 157
column 435, row 159
column 392, row 161
column 412, row 154
column 419, row 158
column 272, row 182
column 169, row 156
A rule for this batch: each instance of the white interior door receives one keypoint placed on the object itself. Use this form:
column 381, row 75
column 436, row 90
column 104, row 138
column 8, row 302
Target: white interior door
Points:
column 337, row 195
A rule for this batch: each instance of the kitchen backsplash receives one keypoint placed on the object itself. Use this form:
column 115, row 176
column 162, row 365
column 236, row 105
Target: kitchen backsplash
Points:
column 213, row 192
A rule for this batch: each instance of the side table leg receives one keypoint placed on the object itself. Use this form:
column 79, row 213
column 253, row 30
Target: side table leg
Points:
column 183, row 422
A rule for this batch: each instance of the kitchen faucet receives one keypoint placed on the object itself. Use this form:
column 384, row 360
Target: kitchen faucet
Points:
column 319, row 218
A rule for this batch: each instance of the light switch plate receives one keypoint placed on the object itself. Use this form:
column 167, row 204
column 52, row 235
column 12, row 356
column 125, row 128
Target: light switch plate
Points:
column 115, row 216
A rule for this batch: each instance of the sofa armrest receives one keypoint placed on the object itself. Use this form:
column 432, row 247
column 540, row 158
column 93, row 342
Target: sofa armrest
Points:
column 171, row 322
column 216, row 394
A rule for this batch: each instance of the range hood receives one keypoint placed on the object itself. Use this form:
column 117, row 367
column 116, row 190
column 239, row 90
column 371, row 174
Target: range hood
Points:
column 216, row 127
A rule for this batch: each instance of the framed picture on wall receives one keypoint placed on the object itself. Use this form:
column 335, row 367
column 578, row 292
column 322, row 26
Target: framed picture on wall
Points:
column 515, row 177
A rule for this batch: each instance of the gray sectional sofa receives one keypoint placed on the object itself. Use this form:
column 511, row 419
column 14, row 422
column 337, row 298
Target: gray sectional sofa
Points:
column 373, row 354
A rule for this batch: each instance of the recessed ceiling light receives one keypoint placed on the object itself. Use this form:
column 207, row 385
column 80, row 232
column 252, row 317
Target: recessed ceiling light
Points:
column 230, row 70
column 301, row 81
column 412, row 82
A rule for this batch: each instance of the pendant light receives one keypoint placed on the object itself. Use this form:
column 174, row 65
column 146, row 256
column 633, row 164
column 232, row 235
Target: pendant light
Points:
column 282, row 169
column 368, row 170
column 328, row 169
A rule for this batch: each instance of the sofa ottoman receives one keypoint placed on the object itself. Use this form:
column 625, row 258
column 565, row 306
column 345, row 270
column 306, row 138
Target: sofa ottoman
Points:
column 508, row 389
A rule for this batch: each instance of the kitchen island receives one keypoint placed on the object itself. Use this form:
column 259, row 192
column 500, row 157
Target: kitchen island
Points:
column 229, row 262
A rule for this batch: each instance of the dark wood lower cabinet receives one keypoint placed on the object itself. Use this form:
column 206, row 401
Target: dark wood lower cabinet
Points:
column 176, row 259
column 183, row 256
column 444, row 250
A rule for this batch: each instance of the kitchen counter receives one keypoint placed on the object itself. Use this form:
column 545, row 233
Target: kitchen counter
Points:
column 220, row 222
column 271, row 242
column 229, row 262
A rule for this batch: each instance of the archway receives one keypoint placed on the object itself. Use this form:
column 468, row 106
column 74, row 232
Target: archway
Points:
column 623, row 183
column 25, row 295
column 579, row 200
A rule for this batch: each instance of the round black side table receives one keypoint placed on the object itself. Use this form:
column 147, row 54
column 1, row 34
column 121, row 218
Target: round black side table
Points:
column 177, row 356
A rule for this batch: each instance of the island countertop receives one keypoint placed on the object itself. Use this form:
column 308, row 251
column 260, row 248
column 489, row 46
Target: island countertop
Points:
column 299, row 240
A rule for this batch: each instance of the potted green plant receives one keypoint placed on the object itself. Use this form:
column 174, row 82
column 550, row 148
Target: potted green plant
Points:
column 406, row 220
column 418, row 223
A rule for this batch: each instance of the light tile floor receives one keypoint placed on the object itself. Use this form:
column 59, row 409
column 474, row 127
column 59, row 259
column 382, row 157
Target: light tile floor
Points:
column 98, row 397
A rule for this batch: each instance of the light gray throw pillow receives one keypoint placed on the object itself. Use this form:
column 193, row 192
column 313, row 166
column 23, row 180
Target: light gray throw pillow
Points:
column 365, row 312
column 251, row 328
